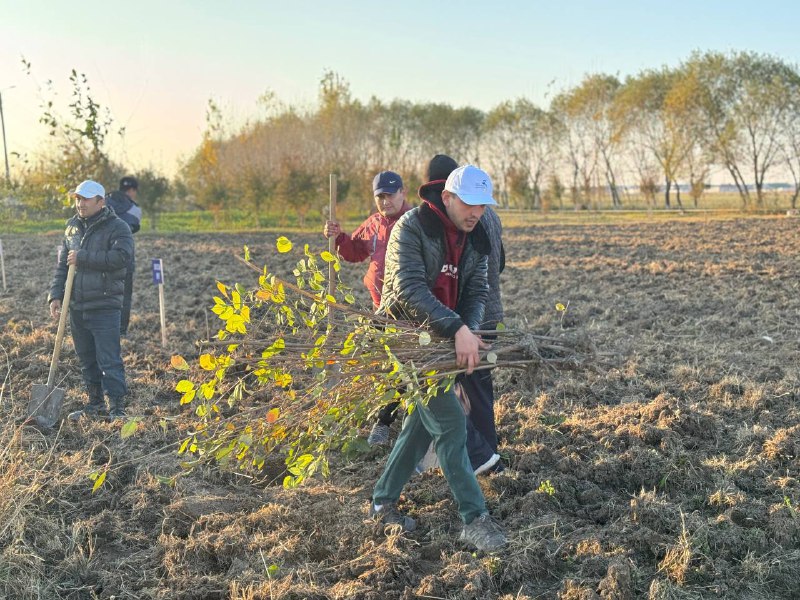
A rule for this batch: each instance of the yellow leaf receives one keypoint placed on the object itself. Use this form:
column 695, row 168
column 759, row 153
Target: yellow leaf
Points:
column 207, row 362
column 273, row 415
column 129, row 428
column 208, row 389
column 223, row 289
column 284, row 244
column 184, row 385
column 188, row 397
column 327, row 256
column 280, row 295
column 99, row 481
column 560, row 307
column 283, row 379
column 178, row 362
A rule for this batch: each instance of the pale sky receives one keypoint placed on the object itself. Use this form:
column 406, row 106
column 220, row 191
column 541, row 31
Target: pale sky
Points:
column 155, row 64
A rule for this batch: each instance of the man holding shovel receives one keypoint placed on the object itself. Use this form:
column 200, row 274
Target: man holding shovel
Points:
column 99, row 245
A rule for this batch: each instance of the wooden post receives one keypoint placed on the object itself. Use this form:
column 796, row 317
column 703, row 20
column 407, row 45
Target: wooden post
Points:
column 158, row 279
column 3, row 265
column 332, row 239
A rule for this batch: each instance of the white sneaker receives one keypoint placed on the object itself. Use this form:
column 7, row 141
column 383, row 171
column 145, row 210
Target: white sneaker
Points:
column 488, row 464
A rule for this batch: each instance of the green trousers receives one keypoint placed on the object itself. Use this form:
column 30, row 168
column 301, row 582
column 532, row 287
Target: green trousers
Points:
column 444, row 422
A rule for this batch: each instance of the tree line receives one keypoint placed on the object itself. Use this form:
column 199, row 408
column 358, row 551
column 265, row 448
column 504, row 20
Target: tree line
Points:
column 735, row 112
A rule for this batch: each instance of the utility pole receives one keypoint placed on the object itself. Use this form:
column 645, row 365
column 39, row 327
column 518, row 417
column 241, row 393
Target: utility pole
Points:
column 5, row 149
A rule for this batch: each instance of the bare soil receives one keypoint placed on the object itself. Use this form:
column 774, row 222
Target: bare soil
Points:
column 669, row 471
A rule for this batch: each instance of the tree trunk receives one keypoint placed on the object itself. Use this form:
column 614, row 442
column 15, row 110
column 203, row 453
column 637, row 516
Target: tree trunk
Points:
column 678, row 196
column 667, row 184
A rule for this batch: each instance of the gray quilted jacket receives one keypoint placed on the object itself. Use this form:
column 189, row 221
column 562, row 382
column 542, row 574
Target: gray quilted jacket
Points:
column 497, row 262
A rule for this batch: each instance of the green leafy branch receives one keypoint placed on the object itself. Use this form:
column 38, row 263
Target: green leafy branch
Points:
column 297, row 371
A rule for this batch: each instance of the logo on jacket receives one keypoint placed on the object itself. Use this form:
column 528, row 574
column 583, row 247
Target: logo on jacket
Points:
column 450, row 271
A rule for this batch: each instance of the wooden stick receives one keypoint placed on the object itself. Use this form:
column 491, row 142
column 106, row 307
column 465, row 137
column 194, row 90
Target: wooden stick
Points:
column 332, row 239
column 62, row 327
column 3, row 265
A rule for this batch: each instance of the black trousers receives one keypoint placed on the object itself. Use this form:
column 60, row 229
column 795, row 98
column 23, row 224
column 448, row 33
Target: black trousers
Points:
column 481, row 430
column 125, row 317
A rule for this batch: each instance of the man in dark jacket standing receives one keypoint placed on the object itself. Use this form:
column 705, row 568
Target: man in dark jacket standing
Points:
column 100, row 245
column 436, row 265
column 123, row 202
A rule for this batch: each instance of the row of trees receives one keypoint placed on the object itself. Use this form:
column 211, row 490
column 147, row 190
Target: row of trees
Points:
column 738, row 113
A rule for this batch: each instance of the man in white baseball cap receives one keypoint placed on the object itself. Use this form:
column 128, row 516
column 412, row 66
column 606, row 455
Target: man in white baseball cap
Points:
column 99, row 245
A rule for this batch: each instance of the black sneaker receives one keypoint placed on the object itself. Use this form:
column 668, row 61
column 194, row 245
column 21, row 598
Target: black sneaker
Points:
column 390, row 515
column 116, row 408
column 116, row 413
column 484, row 533
column 90, row 411
column 379, row 436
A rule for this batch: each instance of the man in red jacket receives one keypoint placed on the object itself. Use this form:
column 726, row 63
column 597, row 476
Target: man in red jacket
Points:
column 369, row 240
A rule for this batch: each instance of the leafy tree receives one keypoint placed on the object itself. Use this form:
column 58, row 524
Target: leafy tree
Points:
column 77, row 149
column 743, row 98
column 651, row 111
column 299, row 188
column 587, row 112
column 153, row 190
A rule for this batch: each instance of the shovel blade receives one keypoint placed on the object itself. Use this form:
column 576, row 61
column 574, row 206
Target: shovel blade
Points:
column 45, row 404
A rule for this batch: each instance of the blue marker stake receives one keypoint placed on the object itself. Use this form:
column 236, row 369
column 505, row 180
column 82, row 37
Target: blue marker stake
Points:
column 158, row 279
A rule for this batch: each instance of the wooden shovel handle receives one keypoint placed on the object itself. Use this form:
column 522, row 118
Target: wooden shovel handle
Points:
column 62, row 325
column 332, row 239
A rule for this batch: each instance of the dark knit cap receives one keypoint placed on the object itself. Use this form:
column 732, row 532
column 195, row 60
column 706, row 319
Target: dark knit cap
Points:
column 440, row 167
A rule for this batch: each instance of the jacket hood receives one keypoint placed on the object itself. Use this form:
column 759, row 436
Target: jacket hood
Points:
column 431, row 195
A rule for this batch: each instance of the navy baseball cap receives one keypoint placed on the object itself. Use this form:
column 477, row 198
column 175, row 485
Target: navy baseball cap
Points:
column 386, row 182
column 128, row 183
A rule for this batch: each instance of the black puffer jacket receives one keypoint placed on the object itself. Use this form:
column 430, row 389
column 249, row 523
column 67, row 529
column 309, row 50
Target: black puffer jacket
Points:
column 414, row 259
column 105, row 247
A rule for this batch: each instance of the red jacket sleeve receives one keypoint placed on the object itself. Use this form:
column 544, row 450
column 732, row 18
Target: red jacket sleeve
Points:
column 357, row 246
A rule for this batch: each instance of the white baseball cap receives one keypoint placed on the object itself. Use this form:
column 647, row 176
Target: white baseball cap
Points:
column 89, row 189
column 471, row 184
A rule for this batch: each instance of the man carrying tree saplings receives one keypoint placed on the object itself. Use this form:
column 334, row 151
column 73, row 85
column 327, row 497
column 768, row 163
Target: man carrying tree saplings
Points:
column 369, row 241
column 436, row 265
column 481, row 432
column 100, row 245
